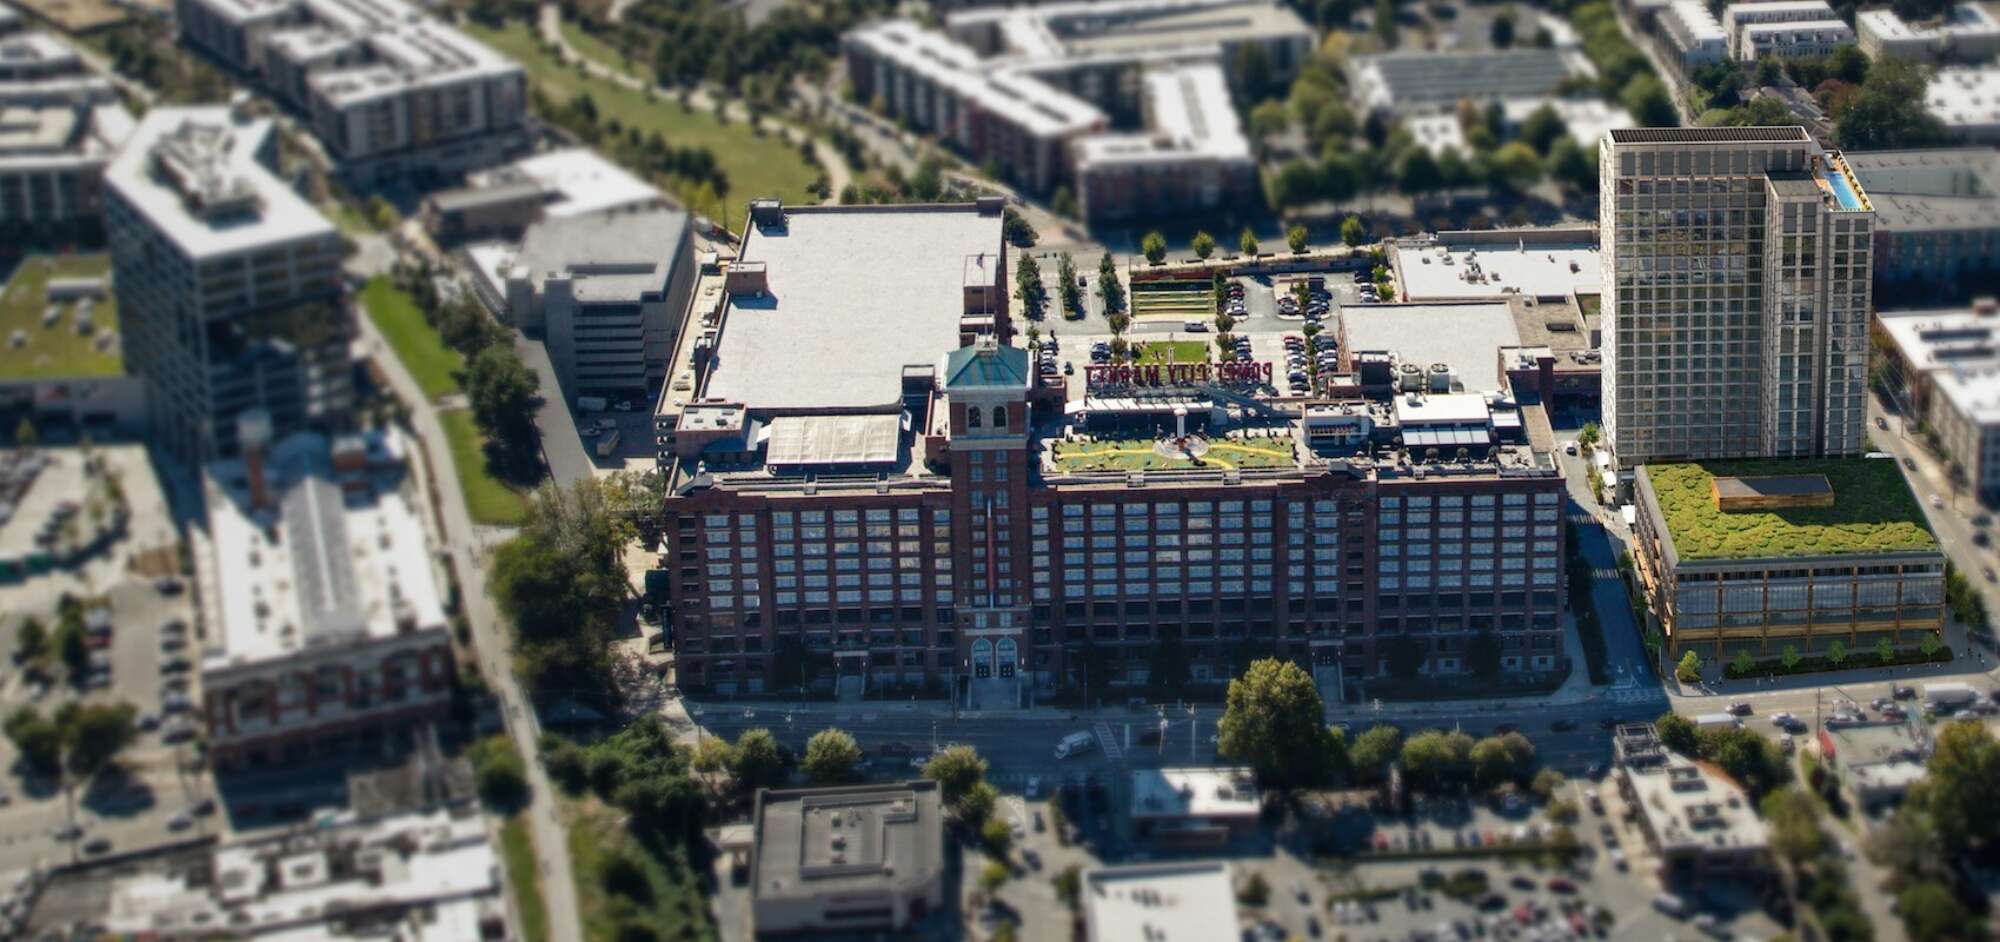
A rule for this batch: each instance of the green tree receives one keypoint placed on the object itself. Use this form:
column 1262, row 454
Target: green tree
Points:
column 1417, row 173
column 561, row 582
column 1571, row 167
column 502, row 391
column 956, row 769
column 1884, row 651
column 1435, row 758
column 1491, row 762
column 1385, row 22
column 1648, row 102
column 1373, row 751
column 1742, row 663
column 1273, row 721
column 1678, row 733
column 73, row 645
column 1502, row 30
column 992, row 877
column 1255, row 891
column 37, row 740
column 1063, row 203
column 1406, row 656
column 1518, row 165
column 1018, row 230
column 712, row 756
column 499, row 774
column 1913, row 10
column 1932, row 913
column 1295, row 238
column 382, row 214
column 1790, row 656
column 832, row 757
column 1203, row 245
column 1688, row 671
column 1543, row 128
column 975, row 806
column 1482, row 655
column 31, row 642
column 1247, row 242
column 25, row 435
column 1108, row 284
column 1880, row 115
column 1353, row 231
column 1746, row 756
column 757, row 761
column 1546, row 784
column 996, row 836
column 1268, row 119
column 1836, row 652
column 1154, row 247
column 1028, row 284
column 1963, row 787
column 1069, row 886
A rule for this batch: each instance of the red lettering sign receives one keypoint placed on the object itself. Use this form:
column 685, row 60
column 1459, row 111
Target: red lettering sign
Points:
column 1170, row 375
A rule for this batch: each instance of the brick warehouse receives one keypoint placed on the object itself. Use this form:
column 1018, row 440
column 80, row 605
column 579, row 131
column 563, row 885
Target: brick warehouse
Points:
column 904, row 514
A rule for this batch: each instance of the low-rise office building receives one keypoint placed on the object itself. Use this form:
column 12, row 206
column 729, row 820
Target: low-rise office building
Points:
column 328, row 625
column 1194, row 806
column 1760, row 556
column 850, row 859
column 1948, row 364
column 1407, row 84
column 1588, row 121
column 1966, row 33
column 1937, row 220
column 1879, row 762
column 1159, row 902
column 1967, row 100
column 607, row 292
column 388, row 88
column 1700, row 824
column 229, row 287
column 1694, row 36
column 1193, row 154
column 503, row 202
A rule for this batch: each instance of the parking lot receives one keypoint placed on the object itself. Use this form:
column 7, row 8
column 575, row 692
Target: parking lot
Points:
column 133, row 658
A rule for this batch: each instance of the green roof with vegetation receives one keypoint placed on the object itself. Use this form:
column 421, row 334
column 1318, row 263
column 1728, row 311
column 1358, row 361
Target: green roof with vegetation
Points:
column 1873, row 511
column 56, row 349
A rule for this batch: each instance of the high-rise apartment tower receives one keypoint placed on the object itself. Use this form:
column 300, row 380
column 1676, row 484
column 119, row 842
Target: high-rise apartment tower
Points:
column 1736, row 292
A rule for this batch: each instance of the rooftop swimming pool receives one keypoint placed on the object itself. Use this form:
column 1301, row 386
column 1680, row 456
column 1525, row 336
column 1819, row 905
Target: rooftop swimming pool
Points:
column 1842, row 190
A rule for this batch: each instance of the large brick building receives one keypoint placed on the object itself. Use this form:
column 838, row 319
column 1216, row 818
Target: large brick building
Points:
column 864, row 472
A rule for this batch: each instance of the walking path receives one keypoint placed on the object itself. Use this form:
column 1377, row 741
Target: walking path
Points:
column 838, row 176
column 466, row 546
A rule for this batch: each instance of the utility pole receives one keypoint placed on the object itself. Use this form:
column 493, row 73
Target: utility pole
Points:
column 1194, row 732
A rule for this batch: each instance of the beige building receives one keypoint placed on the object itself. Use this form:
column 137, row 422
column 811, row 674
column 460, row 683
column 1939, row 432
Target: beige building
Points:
column 853, row 859
column 1700, row 824
column 1736, row 295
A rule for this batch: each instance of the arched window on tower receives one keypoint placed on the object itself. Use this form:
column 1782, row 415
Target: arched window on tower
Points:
column 971, row 416
column 999, row 417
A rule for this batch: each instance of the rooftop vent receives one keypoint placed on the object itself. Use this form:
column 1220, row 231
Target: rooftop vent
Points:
column 767, row 212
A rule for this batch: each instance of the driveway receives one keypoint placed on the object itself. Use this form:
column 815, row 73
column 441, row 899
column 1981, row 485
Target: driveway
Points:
column 562, row 447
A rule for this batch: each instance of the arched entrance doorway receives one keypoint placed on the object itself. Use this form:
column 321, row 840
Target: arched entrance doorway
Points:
column 982, row 658
column 1010, row 656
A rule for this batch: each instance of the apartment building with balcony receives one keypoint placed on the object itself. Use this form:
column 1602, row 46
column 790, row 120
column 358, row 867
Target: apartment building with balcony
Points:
column 59, row 126
column 1967, row 33
column 1784, row 29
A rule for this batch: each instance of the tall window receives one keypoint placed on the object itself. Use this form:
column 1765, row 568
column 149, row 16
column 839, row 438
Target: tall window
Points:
column 972, row 417
column 999, row 417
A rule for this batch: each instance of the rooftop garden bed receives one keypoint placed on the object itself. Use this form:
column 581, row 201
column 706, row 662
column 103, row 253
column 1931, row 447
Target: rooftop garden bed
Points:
column 1873, row 511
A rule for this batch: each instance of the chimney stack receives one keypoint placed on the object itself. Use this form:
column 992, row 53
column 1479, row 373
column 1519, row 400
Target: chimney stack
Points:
column 1986, row 306
column 253, row 434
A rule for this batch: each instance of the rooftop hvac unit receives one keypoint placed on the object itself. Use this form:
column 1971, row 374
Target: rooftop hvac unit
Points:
column 1440, row 378
column 1412, row 378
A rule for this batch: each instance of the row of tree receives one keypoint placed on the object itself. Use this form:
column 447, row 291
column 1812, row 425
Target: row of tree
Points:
column 502, row 391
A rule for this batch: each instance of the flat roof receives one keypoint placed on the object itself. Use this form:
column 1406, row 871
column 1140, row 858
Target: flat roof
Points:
column 1440, row 271
column 1170, row 902
column 1941, row 190
column 619, row 255
column 325, row 564
column 581, row 181
column 811, row 842
column 1958, row 348
column 1195, row 792
column 1772, row 485
column 1873, row 511
column 1965, row 97
column 1405, row 80
column 1755, row 135
column 1965, row 19
column 831, row 440
column 1467, row 337
column 225, row 158
column 855, row 294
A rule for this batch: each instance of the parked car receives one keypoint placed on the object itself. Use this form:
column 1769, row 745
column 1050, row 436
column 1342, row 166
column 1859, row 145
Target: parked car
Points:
column 1740, row 708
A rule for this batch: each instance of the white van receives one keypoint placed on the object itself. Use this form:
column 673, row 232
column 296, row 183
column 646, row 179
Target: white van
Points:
column 1671, row 905
column 1075, row 744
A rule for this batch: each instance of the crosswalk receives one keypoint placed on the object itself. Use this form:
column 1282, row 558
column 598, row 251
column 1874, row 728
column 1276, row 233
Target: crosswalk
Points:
column 1633, row 693
column 1108, row 742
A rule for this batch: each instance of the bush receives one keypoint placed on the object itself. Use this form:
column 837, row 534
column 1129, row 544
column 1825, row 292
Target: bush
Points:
column 996, row 836
column 1255, row 891
column 992, row 876
column 566, row 763
column 1791, row 662
column 625, row 876
column 501, row 776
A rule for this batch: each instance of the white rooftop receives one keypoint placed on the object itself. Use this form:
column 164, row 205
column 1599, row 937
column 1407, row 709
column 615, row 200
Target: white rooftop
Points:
column 1419, row 409
column 835, row 330
column 1965, row 98
column 582, row 181
column 1192, row 116
column 1692, row 807
column 1465, row 336
column 320, row 565
column 1194, row 792
column 440, row 871
column 1444, row 271
column 218, row 155
column 1964, row 20
column 1019, row 97
column 1172, row 902
column 1695, row 18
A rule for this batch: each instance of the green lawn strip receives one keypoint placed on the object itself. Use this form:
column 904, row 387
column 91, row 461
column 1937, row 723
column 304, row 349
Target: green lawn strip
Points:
column 57, row 350
column 517, row 847
column 348, row 218
column 1873, row 511
column 487, row 498
column 1174, row 351
column 755, row 165
column 678, row 908
column 434, row 365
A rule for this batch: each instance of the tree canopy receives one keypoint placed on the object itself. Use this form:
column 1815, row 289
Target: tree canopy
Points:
column 1274, row 721
column 1885, row 113
column 561, row 582
column 832, row 757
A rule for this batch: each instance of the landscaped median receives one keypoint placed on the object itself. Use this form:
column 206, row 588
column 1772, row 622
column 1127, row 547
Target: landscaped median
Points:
column 517, row 848
column 487, row 498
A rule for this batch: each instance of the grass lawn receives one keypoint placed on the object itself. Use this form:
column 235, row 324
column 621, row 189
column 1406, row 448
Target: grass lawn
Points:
column 524, row 877
column 487, row 498
column 755, row 165
column 1175, row 351
column 596, row 50
column 1873, row 511
column 677, row 908
column 58, row 349
column 1137, row 454
column 348, row 218
column 1589, row 304
column 417, row 343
